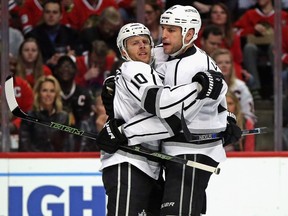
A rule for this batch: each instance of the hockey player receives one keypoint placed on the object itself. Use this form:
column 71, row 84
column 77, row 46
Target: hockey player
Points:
column 132, row 182
column 184, row 192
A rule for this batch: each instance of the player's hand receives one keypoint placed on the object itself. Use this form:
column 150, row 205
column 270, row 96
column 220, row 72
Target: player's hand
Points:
column 108, row 92
column 211, row 82
column 110, row 137
column 233, row 133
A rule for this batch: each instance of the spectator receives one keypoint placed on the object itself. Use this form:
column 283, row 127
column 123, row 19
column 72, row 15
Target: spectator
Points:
column 95, row 66
column 246, row 143
column 76, row 99
column 54, row 38
column 83, row 9
column 24, row 97
column 31, row 13
column 23, row 94
column 47, row 106
column 15, row 37
column 243, row 6
column 92, row 21
column 224, row 60
column 14, row 8
column 211, row 40
column 258, row 21
column 285, row 57
column 30, row 63
column 127, row 9
column 94, row 123
column 203, row 6
column 151, row 21
column 220, row 16
column 110, row 21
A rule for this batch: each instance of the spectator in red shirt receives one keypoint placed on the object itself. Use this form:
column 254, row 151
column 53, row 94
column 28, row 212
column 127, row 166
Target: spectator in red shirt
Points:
column 95, row 66
column 253, row 21
column 23, row 93
column 220, row 16
column 83, row 9
column 110, row 22
column 258, row 21
column 30, row 64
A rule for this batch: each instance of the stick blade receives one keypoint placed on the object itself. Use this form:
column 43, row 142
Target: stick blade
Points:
column 10, row 94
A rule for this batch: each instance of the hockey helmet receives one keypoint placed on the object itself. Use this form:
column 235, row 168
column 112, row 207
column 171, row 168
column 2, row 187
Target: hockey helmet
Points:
column 186, row 17
column 129, row 30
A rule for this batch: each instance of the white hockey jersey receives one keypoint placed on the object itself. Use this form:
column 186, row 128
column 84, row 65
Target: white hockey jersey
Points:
column 138, row 87
column 211, row 117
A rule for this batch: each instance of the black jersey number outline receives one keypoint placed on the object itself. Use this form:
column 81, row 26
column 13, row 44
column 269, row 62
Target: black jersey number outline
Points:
column 140, row 78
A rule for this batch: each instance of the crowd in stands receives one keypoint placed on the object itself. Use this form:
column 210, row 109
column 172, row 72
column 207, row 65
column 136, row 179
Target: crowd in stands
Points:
column 64, row 49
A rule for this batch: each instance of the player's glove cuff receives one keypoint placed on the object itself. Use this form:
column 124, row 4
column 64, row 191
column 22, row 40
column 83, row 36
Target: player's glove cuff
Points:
column 110, row 137
column 233, row 133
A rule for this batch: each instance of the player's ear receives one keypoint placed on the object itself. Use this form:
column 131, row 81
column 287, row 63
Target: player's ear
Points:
column 189, row 35
column 123, row 53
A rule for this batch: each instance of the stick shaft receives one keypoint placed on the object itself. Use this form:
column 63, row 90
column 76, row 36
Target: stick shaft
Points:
column 138, row 149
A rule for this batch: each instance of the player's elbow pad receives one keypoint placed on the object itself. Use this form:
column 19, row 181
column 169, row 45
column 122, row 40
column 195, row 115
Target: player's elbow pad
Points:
column 150, row 100
column 174, row 123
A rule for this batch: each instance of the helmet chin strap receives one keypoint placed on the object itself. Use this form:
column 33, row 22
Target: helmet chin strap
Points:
column 183, row 47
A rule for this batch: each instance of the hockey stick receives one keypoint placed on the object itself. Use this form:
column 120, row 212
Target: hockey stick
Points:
column 139, row 150
column 190, row 137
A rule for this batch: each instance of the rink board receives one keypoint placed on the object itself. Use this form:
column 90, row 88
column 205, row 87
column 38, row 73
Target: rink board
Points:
column 68, row 184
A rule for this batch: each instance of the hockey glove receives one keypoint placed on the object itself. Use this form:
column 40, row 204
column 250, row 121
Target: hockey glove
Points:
column 233, row 133
column 110, row 138
column 211, row 82
column 107, row 94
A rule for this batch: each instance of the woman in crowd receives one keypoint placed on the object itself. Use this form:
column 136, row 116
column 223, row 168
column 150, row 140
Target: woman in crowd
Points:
column 220, row 16
column 30, row 65
column 224, row 60
column 246, row 143
column 48, row 107
column 151, row 19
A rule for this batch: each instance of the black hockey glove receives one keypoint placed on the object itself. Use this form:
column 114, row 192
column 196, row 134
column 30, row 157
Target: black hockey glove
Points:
column 211, row 82
column 233, row 133
column 110, row 138
column 107, row 94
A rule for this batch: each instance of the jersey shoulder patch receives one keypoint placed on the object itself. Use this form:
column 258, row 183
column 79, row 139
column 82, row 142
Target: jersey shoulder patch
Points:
column 130, row 69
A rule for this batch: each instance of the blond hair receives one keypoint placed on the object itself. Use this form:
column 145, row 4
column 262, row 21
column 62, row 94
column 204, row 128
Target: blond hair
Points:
column 232, row 75
column 238, row 113
column 37, row 88
column 239, row 116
